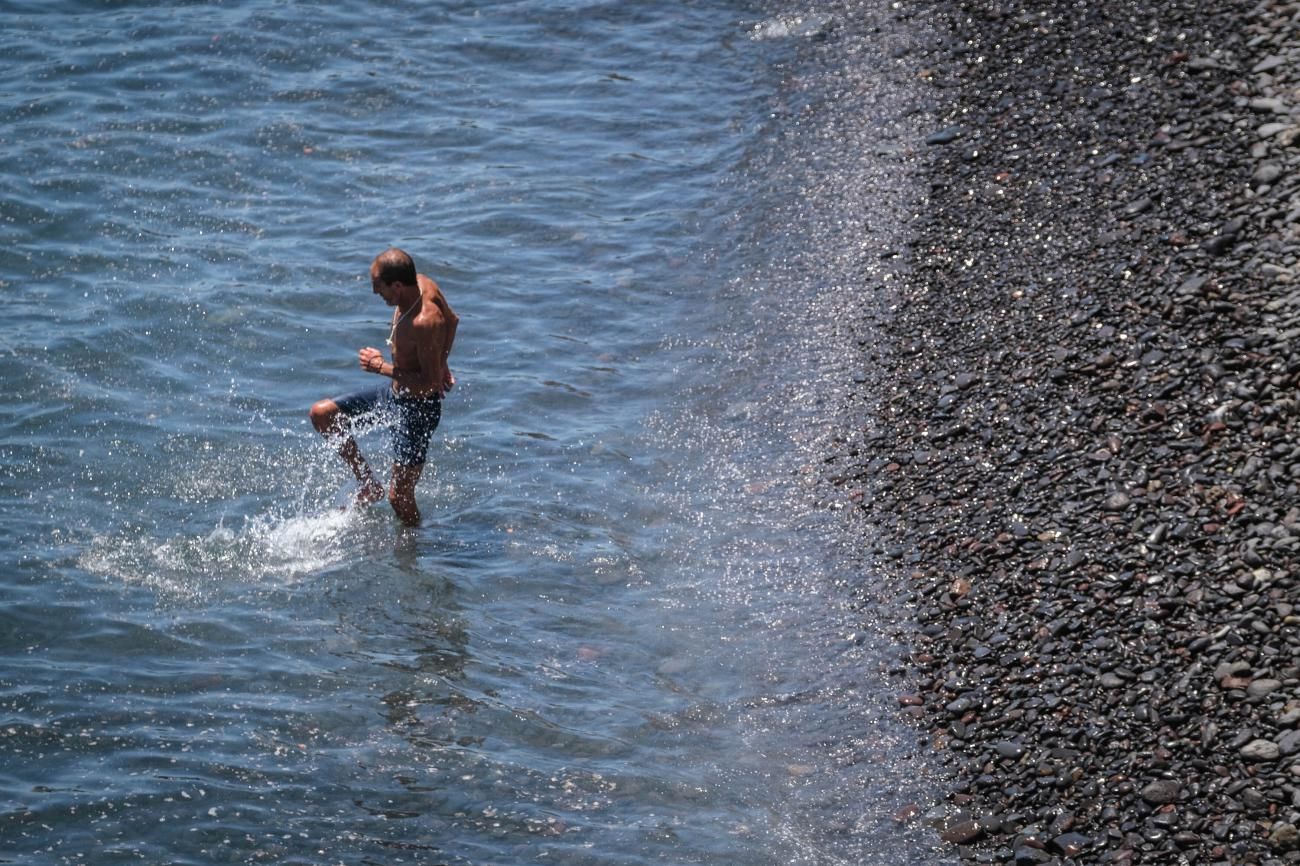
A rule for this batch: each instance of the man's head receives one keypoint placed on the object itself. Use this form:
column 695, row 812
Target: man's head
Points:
column 390, row 271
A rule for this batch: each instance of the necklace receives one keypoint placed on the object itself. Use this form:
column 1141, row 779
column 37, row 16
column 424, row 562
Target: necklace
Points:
column 392, row 332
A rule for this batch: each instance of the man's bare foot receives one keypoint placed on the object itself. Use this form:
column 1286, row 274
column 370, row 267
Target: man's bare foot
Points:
column 371, row 492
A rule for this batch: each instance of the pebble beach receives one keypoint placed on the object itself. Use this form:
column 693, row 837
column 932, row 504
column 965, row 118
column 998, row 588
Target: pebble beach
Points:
column 1083, row 450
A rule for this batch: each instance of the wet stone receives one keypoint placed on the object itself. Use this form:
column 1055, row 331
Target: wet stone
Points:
column 1284, row 837
column 1117, row 501
column 1289, row 743
column 905, row 814
column 1162, row 791
column 962, row 832
column 1267, row 173
column 1110, row 680
column 1253, row 799
column 1071, row 844
column 1013, row 751
column 1260, row 688
column 1025, row 855
column 1137, row 206
column 945, row 136
column 1269, row 105
column 1269, row 63
column 1230, row 669
column 1261, row 750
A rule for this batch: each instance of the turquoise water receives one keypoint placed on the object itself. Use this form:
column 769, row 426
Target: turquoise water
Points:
column 634, row 627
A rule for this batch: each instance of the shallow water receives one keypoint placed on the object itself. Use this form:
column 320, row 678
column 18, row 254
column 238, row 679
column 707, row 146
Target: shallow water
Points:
column 632, row 627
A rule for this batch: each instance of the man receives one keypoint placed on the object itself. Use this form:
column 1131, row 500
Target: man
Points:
column 423, row 330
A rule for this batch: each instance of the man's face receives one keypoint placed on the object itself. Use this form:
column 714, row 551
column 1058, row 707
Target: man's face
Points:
column 387, row 291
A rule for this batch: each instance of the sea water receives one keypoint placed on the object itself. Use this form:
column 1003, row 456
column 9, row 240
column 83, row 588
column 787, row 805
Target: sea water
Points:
column 640, row 622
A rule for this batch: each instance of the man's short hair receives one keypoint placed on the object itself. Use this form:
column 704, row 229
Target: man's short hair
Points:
column 395, row 266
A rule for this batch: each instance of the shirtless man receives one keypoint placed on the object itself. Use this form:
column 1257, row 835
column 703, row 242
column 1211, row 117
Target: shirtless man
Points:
column 424, row 327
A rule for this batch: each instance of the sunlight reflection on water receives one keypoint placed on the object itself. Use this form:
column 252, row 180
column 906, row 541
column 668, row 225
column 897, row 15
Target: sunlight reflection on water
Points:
column 623, row 634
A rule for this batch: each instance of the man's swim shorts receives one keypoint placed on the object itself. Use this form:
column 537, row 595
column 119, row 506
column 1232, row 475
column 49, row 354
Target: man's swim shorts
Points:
column 410, row 420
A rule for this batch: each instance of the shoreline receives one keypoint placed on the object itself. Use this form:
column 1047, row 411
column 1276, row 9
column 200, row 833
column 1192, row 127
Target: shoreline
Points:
column 1083, row 453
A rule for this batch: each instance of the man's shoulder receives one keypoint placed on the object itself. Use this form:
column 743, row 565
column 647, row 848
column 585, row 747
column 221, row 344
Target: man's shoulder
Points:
column 431, row 315
column 437, row 312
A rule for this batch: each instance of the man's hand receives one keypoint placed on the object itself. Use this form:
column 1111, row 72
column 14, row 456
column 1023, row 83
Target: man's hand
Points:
column 372, row 360
column 448, row 382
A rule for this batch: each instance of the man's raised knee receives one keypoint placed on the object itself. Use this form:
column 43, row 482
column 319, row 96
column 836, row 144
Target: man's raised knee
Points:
column 324, row 415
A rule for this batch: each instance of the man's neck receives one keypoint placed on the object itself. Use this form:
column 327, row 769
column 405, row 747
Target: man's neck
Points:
column 409, row 297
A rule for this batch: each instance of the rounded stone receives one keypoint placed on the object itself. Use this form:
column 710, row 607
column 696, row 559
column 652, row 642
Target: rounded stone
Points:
column 962, row 832
column 1261, row 750
column 1117, row 501
column 1162, row 791
column 1262, row 687
column 1289, row 742
column 1284, row 837
column 1267, row 173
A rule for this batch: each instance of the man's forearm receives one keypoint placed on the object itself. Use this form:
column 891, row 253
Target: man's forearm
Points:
column 451, row 338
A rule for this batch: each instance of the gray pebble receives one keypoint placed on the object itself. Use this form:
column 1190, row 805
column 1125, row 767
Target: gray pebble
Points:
column 1230, row 669
column 1284, row 837
column 1110, row 680
column 1009, row 750
column 1261, row 750
column 1289, row 743
column 1269, row 63
column 1117, row 501
column 1260, row 688
column 962, row 832
column 946, row 136
column 1162, row 791
column 1267, row 173
column 1269, row 104
column 1071, row 844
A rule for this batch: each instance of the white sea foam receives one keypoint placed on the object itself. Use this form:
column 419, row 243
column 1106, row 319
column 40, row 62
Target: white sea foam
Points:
column 266, row 547
column 787, row 26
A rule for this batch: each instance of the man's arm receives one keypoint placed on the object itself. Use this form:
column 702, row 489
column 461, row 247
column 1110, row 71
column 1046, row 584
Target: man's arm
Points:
column 448, row 380
column 419, row 381
column 452, row 321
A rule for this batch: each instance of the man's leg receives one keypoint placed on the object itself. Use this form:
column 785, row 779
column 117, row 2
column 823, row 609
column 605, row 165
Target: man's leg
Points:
column 418, row 418
column 401, row 493
column 328, row 420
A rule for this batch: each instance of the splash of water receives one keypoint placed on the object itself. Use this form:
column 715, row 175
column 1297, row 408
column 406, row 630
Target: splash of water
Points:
column 266, row 547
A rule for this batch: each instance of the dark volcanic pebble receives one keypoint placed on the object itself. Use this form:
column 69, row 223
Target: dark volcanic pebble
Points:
column 1161, row 792
column 962, row 832
column 945, row 136
column 1085, row 446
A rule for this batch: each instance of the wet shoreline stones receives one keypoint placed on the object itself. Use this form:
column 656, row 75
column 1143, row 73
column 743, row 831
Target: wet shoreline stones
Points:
column 1085, row 443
